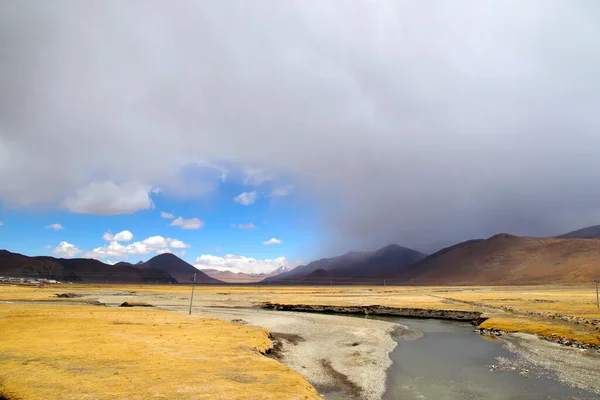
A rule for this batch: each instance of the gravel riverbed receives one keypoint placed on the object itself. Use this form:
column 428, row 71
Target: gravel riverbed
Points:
column 332, row 352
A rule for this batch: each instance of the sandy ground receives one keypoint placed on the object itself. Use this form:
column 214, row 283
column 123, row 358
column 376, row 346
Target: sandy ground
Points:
column 574, row 367
column 330, row 351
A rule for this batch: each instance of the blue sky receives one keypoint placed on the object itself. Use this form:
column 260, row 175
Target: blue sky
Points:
column 232, row 221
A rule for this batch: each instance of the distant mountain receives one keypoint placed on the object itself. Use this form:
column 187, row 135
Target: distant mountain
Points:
column 241, row 277
column 281, row 270
column 177, row 268
column 507, row 259
column 354, row 266
column 591, row 232
column 76, row 269
column 160, row 269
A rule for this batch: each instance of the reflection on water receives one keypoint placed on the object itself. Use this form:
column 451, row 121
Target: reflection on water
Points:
column 451, row 362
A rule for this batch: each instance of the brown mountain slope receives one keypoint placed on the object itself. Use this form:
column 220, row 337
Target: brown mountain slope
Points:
column 507, row 259
column 177, row 268
column 76, row 269
column 585, row 233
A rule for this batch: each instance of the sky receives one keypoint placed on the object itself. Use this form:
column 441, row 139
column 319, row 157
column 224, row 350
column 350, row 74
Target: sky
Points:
column 417, row 123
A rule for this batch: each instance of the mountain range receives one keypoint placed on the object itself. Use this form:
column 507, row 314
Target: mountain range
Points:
column 501, row 259
column 164, row 268
column 241, row 277
column 358, row 266
column 586, row 233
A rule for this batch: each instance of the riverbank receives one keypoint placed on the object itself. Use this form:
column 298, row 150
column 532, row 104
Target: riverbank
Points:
column 454, row 315
column 343, row 356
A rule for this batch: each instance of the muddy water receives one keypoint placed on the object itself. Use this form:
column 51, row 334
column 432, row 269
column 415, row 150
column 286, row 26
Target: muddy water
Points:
column 452, row 362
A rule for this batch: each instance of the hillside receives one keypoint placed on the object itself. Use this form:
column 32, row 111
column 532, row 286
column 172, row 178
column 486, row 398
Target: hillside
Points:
column 353, row 266
column 160, row 269
column 177, row 268
column 76, row 270
column 591, row 232
column 507, row 259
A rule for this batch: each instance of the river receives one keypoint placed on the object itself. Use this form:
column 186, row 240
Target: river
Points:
column 451, row 362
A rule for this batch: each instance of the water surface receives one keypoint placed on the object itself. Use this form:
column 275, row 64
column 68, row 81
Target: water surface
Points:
column 451, row 362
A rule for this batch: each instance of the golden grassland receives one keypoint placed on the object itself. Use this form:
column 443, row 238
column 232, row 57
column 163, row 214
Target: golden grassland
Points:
column 574, row 301
column 541, row 327
column 51, row 345
column 64, row 351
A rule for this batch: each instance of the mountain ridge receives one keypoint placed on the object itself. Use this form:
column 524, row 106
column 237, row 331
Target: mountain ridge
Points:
column 590, row 232
column 508, row 259
column 243, row 277
column 158, row 269
column 353, row 265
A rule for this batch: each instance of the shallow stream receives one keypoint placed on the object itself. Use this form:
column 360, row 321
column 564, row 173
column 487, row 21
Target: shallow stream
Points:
column 451, row 362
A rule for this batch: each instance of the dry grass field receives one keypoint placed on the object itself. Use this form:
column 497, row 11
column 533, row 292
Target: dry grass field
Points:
column 63, row 348
column 61, row 351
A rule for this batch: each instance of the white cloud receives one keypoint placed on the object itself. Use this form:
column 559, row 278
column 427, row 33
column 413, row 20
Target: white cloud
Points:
column 178, row 244
column 256, row 176
column 193, row 223
column 153, row 244
column 108, row 198
column 235, row 263
column 282, row 191
column 156, row 191
column 246, row 226
column 222, row 170
column 273, row 241
column 56, row 227
column 1, row 223
column 166, row 215
column 47, row 246
column 339, row 126
column 123, row 236
column 66, row 250
column 246, row 198
column 170, row 251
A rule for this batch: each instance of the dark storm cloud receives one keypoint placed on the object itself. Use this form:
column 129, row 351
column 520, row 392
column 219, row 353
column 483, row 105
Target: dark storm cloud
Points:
column 409, row 122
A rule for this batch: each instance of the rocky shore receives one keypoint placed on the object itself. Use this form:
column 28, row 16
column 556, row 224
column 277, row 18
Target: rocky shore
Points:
column 455, row 315
column 564, row 341
column 340, row 356
column 546, row 315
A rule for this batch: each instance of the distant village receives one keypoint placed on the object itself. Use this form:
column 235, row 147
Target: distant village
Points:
column 30, row 281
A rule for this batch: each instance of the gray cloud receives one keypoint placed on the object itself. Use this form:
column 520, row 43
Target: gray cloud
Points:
column 414, row 123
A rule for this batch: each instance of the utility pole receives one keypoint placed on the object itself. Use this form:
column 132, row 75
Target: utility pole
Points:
column 597, row 296
column 384, row 283
column 192, row 298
